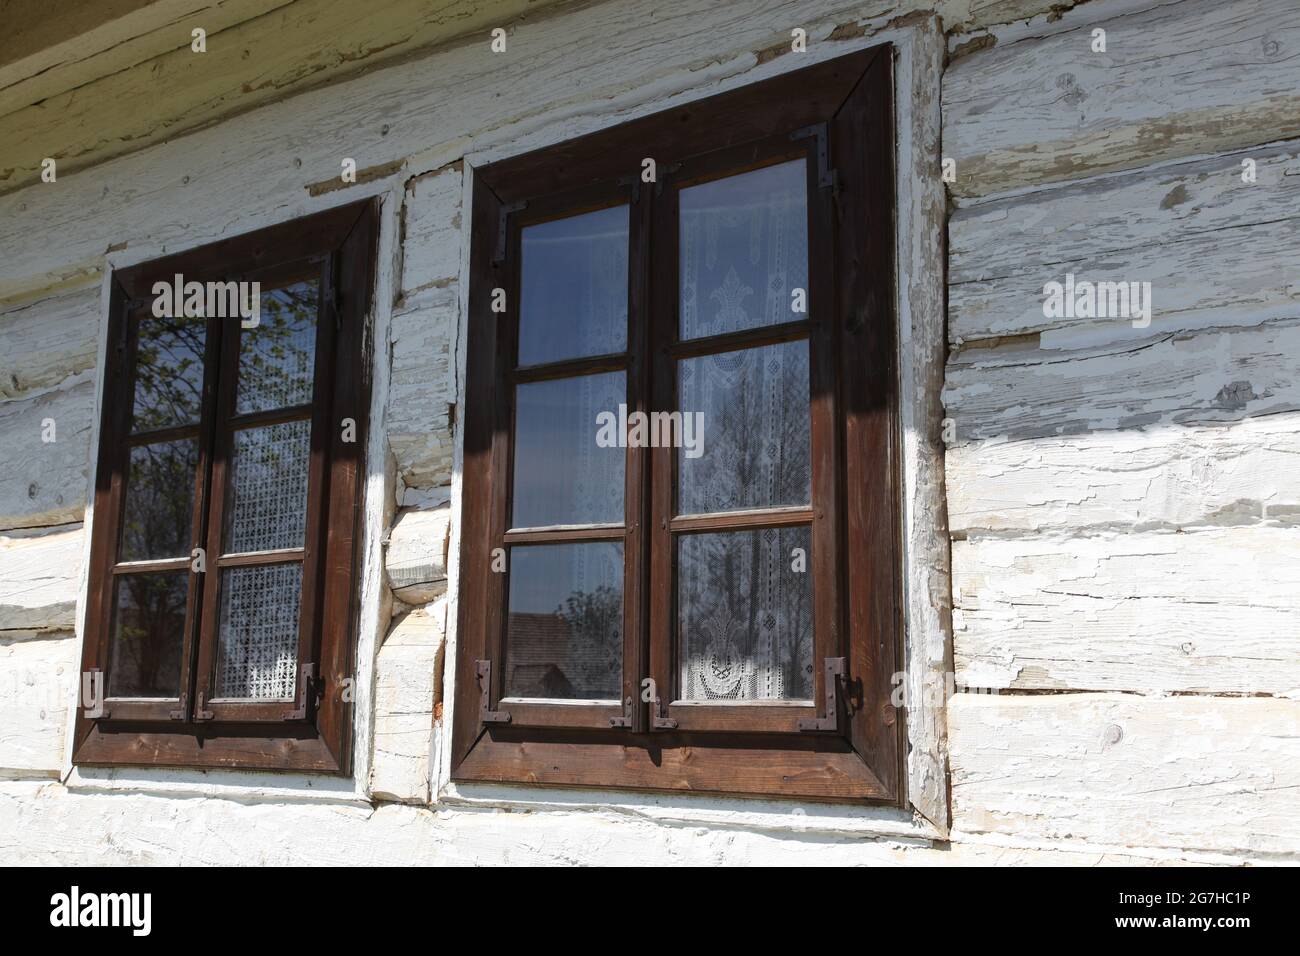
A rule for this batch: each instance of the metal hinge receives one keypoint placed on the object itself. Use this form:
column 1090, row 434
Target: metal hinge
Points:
column 485, row 712
column 662, row 177
column 626, row 719
column 833, row 669
column 199, row 712
column 308, row 691
column 659, row 719
column 827, row 178
column 184, row 712
column 635, row 183
column 503, row 214
column 332, row 308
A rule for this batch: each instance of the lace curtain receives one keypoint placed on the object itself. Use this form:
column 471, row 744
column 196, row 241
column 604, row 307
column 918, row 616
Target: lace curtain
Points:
column 744, row 598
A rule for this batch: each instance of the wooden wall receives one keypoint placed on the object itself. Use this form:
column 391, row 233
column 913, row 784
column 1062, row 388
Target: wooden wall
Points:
column 1123, row 503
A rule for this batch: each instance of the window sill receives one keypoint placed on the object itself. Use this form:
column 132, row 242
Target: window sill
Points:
column 776, row 816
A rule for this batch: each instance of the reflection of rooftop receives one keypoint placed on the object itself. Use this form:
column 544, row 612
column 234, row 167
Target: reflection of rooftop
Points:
column 555, row 655
column 538, row 650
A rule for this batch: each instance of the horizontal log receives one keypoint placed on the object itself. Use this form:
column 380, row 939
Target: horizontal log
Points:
column 619, row 61
column 431, row 235
column 1182, row 79
column 1216, row 774
column 422, row 387
column 405, row 674
column 1212, row 611
column 1174, row 379
column 37, row 677
column 48, row 341
column 1141, row 479
column 40, row 575
column 247, row 65
column 416, row 557
column 44, row 482
column 1214, row 249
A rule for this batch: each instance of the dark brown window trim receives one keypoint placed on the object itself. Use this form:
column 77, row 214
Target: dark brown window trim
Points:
column 314, row 732
column 854, row 433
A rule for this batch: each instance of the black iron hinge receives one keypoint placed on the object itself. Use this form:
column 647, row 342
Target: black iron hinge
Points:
column 332, row 307
column 485, row 712
column 503, row 215
column 659, row 716
column 308, row 692
column 200, row 713
column 626, row 719
column 833, row 671
column 827, row 178
column 662, row 177
column 184, row 712
column 635, row 183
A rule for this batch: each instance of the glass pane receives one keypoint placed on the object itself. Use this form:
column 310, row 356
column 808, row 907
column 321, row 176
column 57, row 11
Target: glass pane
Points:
column 168, row 373
column 564, row 636
column 277, row 357
column 268, row 480
column 159, row 509
column 752, row 421
column 259, row 632
column 568, row 468
column 744, row 615
column 744, row 249
column 148, row 635
column 574, row 287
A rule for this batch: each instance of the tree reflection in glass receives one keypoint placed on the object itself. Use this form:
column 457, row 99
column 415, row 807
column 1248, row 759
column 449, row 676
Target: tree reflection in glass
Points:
column 277, row 357
column 168, row 372
column 148, row 633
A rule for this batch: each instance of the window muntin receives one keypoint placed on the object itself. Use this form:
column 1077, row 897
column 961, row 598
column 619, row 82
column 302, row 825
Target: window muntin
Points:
column 758, row 680
column 213, row 610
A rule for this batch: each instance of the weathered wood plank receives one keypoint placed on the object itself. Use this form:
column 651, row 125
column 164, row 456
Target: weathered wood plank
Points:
column 422, row 388
column 1142, row 479
column 1174, row 379
column 1211, row 611
column 44, row 483
column 36, row 683
column 48, row 341
column 103, row 39
column 254, row 168
column 1180, row 80
column 1213, row 774
column 308, row 42
column 1214, row 248
column 416, row 556
column 406, row 672
column 40, row 574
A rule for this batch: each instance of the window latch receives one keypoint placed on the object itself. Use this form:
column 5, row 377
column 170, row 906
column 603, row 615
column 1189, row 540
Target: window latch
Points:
column 833, row 670
column 827, row 178
column 308, row 691
column 485, row 712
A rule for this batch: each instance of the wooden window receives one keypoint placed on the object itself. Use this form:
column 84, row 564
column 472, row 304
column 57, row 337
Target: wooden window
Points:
column 222, row 593
column 711, row 603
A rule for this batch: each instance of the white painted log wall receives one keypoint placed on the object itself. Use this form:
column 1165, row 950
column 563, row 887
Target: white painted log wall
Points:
column 1124, row 500
column 1049, row 110
column 1106, row 498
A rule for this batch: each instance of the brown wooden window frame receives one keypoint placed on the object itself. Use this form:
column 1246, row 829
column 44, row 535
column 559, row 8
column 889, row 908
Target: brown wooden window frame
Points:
column 313, row 732
column 838, row 115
